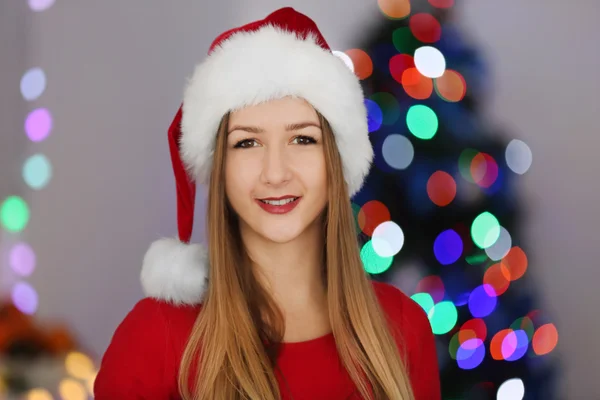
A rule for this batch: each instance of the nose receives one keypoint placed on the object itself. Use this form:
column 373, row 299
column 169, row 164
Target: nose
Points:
column 275, row 168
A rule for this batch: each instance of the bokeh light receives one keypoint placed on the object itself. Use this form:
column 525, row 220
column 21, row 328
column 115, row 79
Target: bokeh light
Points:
column 470, row 354
column 518, row 156
column 39, row 394
column 40, row 5
column 79, row 366
column 545, row 339
column 526, row 324
column 398, row 152
column 422, row 121
column 433, row 286
column 496, row 279
column 442, row 3
column 451, row 86
column 25, row 298
column 443, row 317
column 372, row 214
column 395, row 9
column 430, row 61
column 515, row 263
column 38, row 124
column 464, row 163
column 373, row 263
column 496, row 344
column 405, row 42
column 398, row 64
column 473, row 328
column 389, row 107
column 70, row 389
column 448, row 247
column 416, row 85
column 14, row 214
column 484, row 170
column 22, row 259
column 441, row 188
column 37, row 171
column 514, row 345
column 512, row 389
column 485, row 230
column 374, row 115
column 425, row 27
column 363, row 65
column 424, row 300
column 481, row 302
column 501, row 247
column 33, row 84
column 345, row 58
column 387, row 239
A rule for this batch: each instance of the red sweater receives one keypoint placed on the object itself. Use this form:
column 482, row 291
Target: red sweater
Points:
column 142, row 360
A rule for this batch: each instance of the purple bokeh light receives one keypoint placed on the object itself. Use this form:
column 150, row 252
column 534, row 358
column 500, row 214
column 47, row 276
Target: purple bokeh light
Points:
column 38, row 124
column 25, row 298
column 481, row 304
column 470, row 354
column 22, row 259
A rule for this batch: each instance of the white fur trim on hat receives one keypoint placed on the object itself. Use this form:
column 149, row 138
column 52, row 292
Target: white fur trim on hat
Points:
column 175, row 272
column 254, row 67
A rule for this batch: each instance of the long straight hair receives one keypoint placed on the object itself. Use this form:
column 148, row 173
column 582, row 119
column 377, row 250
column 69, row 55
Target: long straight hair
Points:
column 232, row 350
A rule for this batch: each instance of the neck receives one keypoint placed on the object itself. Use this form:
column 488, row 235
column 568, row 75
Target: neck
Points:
column 292, row 272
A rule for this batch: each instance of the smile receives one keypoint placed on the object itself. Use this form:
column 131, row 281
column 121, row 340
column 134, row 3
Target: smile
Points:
column 279, row 206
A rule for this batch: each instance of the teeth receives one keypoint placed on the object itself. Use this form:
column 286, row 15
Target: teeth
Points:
column 279, row 202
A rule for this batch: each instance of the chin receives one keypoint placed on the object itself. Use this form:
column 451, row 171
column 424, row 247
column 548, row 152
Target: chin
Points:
column 281, row 233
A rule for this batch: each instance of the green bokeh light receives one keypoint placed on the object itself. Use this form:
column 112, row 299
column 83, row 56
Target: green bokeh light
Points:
column 14, row 214
column 355, row 211
column 37, row 171
column 464, row 163
column 424, row 300
column 443, row 317
column 404, row 41
column 485, row 230
column 373, row 262
column 422, row 121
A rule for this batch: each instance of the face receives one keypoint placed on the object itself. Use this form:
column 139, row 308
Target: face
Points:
column 275, row 176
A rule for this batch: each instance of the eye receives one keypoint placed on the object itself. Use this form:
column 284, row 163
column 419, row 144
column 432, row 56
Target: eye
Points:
column 304, row 140
column 245, row 144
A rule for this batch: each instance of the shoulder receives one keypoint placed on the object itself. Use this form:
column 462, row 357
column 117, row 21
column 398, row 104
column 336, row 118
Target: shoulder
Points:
column 145, row 350
column 407, row 318
column 414, row 337
column 400, row 307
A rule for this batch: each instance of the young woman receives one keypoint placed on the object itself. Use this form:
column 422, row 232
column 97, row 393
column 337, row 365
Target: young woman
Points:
column 279, row 306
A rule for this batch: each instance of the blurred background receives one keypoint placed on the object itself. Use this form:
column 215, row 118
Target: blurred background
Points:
column 480, row 204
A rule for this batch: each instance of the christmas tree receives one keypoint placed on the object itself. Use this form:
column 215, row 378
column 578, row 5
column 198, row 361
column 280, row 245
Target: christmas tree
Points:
column 440, row 215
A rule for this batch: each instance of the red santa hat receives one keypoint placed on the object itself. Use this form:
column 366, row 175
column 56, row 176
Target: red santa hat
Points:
column 281, row 55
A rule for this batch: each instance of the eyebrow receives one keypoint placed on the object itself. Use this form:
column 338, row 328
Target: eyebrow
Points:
column 288, row 127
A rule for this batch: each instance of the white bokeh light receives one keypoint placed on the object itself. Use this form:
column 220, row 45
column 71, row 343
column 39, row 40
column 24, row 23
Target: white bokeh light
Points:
column 345, row 58
column 387, row 239
column 518, row 156
column 430, row 62
column 512, row 389
column 398, row 152
column 501, row 246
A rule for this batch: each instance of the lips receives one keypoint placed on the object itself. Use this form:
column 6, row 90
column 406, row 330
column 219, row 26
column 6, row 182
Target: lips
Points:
column 279, row 205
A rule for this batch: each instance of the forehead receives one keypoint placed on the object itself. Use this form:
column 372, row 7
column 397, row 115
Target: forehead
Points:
column 275, row 113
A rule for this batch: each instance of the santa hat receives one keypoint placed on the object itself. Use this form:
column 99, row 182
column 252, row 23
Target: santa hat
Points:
column 281, row 55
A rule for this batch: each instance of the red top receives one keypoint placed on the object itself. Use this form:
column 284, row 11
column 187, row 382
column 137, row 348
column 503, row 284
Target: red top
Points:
column 142, row 360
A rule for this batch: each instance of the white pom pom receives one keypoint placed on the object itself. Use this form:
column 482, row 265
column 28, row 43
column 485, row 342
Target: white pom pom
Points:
column 175, row 272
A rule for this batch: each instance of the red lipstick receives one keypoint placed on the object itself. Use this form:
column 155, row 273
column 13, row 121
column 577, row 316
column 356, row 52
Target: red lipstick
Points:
column 279, row 205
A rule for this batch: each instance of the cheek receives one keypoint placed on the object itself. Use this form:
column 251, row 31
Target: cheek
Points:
column 311, row 167
column 239, row 178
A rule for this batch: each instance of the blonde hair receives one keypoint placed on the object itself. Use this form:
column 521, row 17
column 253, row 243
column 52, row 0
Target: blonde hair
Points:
column 232, row 349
